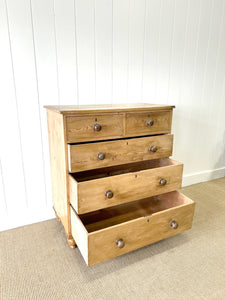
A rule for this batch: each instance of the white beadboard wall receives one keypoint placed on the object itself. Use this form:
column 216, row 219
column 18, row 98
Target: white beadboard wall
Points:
column 106, row 51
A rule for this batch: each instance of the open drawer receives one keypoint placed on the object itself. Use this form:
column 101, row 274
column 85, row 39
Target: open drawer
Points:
column 97, row 189
column 117, row 230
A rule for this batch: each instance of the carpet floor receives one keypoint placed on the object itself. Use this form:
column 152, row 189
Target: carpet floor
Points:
column 37, row 263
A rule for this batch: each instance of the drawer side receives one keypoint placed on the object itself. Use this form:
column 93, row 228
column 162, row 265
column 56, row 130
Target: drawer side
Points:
column 79, row 234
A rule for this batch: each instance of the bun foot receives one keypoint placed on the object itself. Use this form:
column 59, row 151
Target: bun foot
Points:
column 71, row 242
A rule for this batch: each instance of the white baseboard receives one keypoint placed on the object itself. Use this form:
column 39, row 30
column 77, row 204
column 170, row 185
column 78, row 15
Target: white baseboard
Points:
column 207, row 175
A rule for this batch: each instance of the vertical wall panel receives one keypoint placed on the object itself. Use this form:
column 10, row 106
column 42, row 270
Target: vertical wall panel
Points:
column 194, row 112
column 218, row 98
column 121, row 10
column 137, row 22
column 66, row 50
column 103, row 50
column 85, row 33
column 150, row 53
column 163, row 64
column 209, row 113
column 20, row 27
column 11, row 156
column 46, row 67
column 182, row 114
column 181, row 11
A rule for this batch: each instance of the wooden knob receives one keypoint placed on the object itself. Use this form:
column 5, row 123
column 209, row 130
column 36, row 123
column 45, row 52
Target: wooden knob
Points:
column 174, row 224
column 150, row 123
column 101, row 156
column 97, row 127
column 120, row 243
column 109, row 194
column 153, row 148
column 162, row 181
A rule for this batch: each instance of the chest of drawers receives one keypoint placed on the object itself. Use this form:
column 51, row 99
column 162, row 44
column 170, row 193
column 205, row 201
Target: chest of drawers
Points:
column 114, row 185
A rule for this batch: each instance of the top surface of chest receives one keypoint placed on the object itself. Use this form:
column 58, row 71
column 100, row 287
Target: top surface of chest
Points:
column 107, row 108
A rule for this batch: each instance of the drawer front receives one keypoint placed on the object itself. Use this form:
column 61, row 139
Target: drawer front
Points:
column 104, row 192
column 91, row 128
column 148, row 123
column 103, row 154
column 103, row 244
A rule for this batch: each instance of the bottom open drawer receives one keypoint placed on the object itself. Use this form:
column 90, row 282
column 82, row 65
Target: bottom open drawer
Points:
column 111, row 232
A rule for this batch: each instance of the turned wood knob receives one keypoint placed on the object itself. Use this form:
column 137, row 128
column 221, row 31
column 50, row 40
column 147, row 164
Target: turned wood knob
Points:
column 150, row 123
column 101, row 156
column 97, row 127
column 162, row 181
column 153, row 148
column 109, row 194
column 174, row 224
column 120, row 243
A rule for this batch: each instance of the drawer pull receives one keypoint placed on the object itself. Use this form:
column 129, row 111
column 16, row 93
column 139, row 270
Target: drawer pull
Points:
column 101, row 156
column 150, row 123
column 109, row 194
column 97, row 127
column 174, row 224
column 153, row 148
column 162, row 181
column 120, row 243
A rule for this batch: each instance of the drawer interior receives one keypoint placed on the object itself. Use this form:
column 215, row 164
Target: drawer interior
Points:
column 125, row 212
column 123, row 169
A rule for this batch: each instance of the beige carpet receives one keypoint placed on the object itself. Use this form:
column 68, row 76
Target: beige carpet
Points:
column 36, row 262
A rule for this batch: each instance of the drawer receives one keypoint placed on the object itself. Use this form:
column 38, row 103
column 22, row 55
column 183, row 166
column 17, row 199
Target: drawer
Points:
column 115, row 231
column 91, row 128
column 148, row 123
column 97, row 189
column 103, row 154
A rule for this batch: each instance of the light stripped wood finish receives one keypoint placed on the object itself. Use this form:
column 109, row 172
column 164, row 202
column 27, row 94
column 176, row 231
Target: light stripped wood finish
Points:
column 112, row 195
column 150, row 223
column 58, row 159
column 127, row 185
column 84, row 156
column 107, row 108
column 136, row 123
column 80, row 129
column 80, row 235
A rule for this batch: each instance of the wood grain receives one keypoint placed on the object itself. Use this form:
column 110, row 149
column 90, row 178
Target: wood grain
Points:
column 136, row 123
column 58, row 167
column 126, row 187
column 107, row 108
column 142, row 230
column 79, row 234
column 80, row 129
column 84, row 156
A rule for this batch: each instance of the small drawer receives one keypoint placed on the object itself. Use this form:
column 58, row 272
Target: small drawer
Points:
column 148, row 123
column 91, row 128
column 104, row 154
column 97, row 189
column 115, row 231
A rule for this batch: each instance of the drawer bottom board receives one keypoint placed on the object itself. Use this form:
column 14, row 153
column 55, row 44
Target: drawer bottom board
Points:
column 134, row 225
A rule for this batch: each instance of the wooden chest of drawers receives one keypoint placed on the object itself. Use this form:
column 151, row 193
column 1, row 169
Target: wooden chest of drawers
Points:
column 114, row 186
